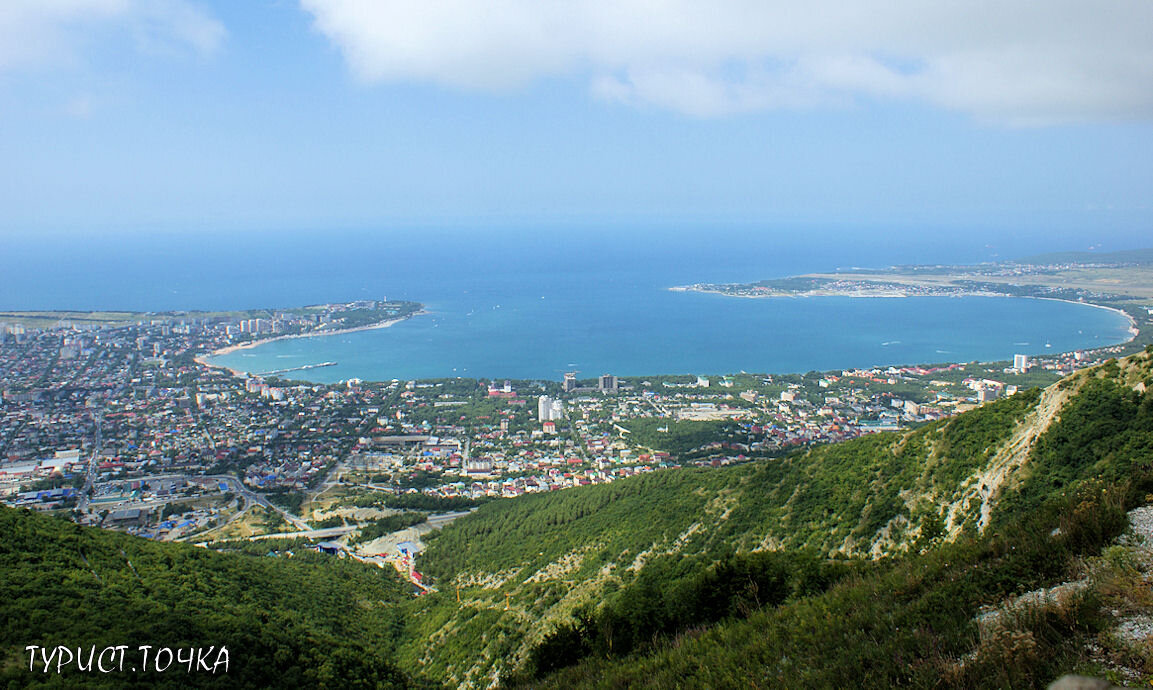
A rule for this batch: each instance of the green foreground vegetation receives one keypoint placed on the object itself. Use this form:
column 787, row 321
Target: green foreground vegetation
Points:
column 870, row 560
column 303, row 621
column 610, row 575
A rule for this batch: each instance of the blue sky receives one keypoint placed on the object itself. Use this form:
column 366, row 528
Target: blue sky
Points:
column 137, row 116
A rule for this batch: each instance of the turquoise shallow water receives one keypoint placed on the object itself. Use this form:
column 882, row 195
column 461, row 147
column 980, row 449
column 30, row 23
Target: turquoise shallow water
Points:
column 536, row 302
column 650, row 331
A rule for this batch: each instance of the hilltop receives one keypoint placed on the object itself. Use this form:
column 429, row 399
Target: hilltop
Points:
column 626, row 568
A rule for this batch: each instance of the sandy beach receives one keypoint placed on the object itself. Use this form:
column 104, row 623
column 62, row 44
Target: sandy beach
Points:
column 1134, row 329
column 203, row 357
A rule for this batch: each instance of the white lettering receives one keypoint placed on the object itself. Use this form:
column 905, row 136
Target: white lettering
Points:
column 202, row 658
column 121, row 648
column 180, row 657
column 61, row 663
column 223, row 653
column 32, row 657
column 100, row 659
column 163, row 650
column 47, row 658
column 80, row 658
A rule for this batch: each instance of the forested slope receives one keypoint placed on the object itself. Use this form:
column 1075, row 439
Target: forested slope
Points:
column 931, row 619
column 307, row 621
column 537, row 575
column 868, row 560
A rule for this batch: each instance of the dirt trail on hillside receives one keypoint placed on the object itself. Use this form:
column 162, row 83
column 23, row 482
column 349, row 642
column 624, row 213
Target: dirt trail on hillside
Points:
column 987, row 485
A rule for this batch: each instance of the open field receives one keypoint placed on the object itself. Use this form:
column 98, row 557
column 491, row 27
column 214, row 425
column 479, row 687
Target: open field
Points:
column 1133, row 281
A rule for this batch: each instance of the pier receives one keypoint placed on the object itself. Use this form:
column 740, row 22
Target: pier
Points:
column 304, row 367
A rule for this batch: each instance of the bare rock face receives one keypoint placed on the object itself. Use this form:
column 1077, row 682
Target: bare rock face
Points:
column 1072, row 682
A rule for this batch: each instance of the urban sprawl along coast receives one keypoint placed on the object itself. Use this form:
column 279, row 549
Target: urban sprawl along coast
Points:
column 121, row 422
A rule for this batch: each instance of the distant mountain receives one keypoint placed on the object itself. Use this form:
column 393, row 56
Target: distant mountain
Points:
column 1130, row 256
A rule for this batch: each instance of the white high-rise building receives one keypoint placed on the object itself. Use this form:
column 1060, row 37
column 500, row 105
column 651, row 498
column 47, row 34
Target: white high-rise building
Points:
column 548, row 410
column 1021, row 363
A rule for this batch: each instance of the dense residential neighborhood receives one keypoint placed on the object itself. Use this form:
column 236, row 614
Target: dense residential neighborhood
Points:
column 125, row 425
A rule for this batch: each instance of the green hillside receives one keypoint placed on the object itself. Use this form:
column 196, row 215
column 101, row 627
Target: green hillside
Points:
column 538, row 576
column 911, row 623
column 305, row 621
column 869, row 560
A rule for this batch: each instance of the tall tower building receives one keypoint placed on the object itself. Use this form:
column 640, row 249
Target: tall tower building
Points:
column 607, row 383
column 569, row 381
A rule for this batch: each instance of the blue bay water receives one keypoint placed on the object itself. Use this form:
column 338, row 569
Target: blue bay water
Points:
column 659, row 332
column 536, row 302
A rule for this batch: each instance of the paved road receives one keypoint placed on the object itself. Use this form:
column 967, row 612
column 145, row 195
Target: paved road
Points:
column 309, row 534
column 237, row 486
column 234, row 485
column 438, row 521
column 90, row 473
column 434, row 521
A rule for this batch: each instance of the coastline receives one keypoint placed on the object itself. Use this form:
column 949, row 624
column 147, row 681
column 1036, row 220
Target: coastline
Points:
column 202, row 358
column 862, row 294
column 1134, row 328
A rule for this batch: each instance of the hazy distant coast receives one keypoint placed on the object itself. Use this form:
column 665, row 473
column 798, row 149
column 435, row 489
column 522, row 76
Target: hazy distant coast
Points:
column 748, row 292
column 469, row 334
column 1079, row 278
column 1121, row 283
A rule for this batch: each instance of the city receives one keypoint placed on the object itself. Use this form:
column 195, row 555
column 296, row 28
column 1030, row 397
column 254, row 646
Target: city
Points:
column 124, row 426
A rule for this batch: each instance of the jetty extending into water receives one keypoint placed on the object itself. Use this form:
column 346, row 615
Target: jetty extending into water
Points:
column 300, row 368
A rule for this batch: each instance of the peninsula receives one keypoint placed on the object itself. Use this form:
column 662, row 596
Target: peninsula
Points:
column 1075, row 276
column 1119, row 281
column 307, row 322
column 523, row 503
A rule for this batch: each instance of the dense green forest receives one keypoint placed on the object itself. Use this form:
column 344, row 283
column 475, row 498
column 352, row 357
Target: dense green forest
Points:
column 869, row 560
column 622, row 569
column 830, row 498
column 417, row 501
column 1086, row 469
column 305, row 621
column 681, row 437
column 910, row 623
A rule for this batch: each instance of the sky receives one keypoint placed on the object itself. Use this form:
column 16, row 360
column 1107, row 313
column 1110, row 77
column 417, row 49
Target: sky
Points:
column 971, row 118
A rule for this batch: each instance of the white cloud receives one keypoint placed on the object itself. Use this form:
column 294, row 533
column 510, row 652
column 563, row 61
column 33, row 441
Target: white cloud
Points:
column 164, row 24
column 1017, row 61
column 39, row 32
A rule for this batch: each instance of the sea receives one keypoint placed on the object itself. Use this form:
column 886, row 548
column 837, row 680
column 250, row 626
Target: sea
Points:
column 534, row 302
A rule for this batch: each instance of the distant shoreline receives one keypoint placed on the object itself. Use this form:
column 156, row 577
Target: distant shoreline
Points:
column 858, row 294
column 1133, row 332
column 1134, row 328
column 202, row 358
